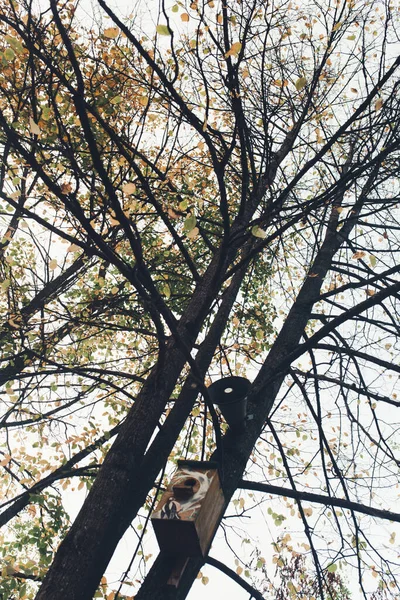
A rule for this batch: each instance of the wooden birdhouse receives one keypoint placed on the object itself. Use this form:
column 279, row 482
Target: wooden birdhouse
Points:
column 188, row 513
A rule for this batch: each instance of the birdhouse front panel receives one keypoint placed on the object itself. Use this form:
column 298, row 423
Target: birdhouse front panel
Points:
column 188, row 513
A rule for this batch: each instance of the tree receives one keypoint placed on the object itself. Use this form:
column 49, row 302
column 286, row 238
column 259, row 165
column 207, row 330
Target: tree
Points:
column 212, row 193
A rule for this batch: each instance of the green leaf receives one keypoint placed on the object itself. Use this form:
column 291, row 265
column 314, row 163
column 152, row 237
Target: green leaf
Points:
column 332, row 568
column 300, row 83
column 175, row 8
column 372, row 260
column 163, row 30
column 166, row 291
column 9, row 54
column 183, row 205
column 190, row 223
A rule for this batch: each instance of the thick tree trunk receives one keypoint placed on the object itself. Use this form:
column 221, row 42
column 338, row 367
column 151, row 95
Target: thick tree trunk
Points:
column 125, row 478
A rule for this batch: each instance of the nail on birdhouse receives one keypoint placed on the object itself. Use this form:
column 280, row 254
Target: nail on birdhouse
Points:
column 189, row 511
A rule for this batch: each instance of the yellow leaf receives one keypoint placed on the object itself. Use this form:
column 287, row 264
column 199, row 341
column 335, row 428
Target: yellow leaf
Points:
column 185, row 17
column 234, row 49
column 351, row 37
column 163, row 30
column 53, row 264
column 175, row 8
column 257, row 232
column 34, row 127
column 300, row 83
column 111, row 32
column 129, row 188
column 378, row 104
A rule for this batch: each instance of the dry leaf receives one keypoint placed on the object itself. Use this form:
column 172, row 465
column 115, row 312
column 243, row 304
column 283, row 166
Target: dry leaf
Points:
column 34, row 127
column 111, row 32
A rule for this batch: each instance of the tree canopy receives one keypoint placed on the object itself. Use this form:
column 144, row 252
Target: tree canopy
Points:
column 192, row 191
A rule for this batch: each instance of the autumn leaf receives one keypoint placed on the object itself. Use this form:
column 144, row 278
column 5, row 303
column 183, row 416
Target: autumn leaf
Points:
column 5, row 460
column 234, row 49
column 129, row 188
column 111, row 32
column 173, row 214
column 300, row 83
column 34, row 127
column 378, row 104
column 166, row 291
column 53, row 264
column 358, row 255
column 185, row 17
column 183, row 205
column 163, row 30
column 193, row 233
column 332, row 568
column 9, row 54
column 190, row 223
column 257, row 232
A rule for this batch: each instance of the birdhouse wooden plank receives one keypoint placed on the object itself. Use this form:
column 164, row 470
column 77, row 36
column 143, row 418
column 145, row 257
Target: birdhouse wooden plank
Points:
column 188, row 513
